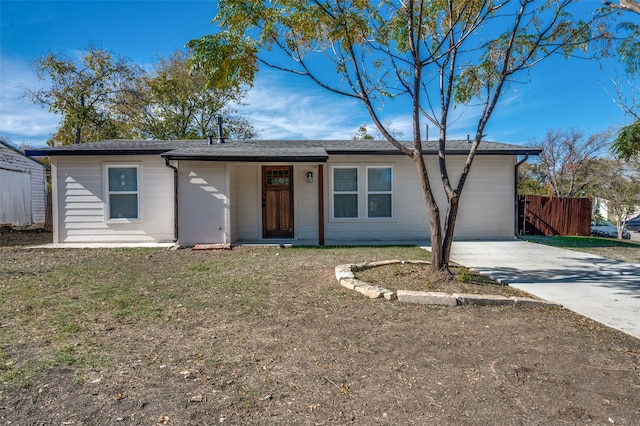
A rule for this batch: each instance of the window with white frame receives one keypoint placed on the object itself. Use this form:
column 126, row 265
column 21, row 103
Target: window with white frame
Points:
column 379, row 192
column 123, row 192
column 345, row 192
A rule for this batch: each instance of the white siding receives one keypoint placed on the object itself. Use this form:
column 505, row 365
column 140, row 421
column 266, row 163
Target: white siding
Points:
column 306, row 202
column 23, row 189
column 204, row 204
column 81, row 201
column 221, row 202
column 247, row 202
column 486, row 206
column 15, row 198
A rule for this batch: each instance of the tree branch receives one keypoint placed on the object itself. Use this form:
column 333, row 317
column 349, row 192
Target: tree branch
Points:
column 628, row 5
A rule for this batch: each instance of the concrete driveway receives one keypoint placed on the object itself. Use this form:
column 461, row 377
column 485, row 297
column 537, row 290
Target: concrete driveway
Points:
column 605, row 290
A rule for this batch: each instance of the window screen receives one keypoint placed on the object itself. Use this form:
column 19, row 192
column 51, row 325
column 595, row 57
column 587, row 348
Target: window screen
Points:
column 345, row 192
column 123, row 192
column 379, row 192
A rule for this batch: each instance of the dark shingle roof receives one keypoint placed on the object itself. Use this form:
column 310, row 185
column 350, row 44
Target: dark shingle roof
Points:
column 270, row 150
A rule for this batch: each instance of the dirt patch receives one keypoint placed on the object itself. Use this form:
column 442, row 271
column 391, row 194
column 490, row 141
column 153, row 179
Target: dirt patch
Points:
column 265, row 336
column 419, row 277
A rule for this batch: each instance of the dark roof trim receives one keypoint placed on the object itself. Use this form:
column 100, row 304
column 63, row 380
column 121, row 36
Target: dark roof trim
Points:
column 528, row 151
column 245, row 159
column 258, row 151
column 46, row 153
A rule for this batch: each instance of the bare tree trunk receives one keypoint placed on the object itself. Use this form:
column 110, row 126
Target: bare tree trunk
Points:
column 449, row 226
column 439, row 260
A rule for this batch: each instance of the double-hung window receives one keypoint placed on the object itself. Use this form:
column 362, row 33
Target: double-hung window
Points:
column 345, row 192
column 376, row 200
column 123, row 192
column 379, row 192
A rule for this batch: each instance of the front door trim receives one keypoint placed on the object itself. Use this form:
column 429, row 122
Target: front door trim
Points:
column 277, row 202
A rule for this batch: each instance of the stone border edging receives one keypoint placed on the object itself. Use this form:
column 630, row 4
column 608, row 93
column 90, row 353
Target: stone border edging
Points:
column 346, row 278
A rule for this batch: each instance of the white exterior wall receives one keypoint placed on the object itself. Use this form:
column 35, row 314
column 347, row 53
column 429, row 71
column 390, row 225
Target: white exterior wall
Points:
column 306, row 202
column 486, row 206
column 246, row 202
column 204, row 215
column 23, row 189
column 79, row 207
column 222, row 202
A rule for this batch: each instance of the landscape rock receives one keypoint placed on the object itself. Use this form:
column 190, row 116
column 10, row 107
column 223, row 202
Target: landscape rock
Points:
column 426, row 298
column 482, row 299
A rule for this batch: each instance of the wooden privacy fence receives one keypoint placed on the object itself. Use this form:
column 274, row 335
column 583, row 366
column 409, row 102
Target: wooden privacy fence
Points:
column 540, row 215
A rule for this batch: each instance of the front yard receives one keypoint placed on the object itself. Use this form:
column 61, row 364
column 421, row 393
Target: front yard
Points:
column 266, row 336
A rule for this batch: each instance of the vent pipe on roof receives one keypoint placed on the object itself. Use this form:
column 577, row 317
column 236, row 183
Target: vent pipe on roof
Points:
column 219, row 120
column 210, row 139
column 468, row 138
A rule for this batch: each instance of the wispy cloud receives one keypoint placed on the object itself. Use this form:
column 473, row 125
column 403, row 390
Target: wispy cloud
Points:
column 282, row 108
column 21, row 120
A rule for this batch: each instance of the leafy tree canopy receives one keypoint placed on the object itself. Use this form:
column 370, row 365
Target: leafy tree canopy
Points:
column 81, row 91
column 627, row 144
column 102, row 96
column 174, row 102
column 432, row 56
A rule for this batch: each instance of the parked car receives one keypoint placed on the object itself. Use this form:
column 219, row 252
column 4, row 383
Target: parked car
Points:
column 633, row 224
column 604, row 228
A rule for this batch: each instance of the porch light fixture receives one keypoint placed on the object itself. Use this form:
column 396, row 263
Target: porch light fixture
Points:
column 310, row 177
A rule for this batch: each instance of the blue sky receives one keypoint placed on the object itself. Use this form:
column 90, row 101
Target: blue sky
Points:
column 560, row 93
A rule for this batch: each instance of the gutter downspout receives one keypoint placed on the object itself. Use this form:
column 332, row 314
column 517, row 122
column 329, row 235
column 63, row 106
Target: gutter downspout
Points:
column 515, row 191
column 175, row 198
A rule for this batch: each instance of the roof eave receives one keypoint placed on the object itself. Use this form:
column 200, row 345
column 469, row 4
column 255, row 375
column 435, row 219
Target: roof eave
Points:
column 246, row 159
column 66, row 152
column 526, row 151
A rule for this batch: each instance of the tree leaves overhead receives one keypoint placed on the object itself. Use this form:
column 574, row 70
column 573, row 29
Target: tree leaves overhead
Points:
column 102, row 96
column 81, row 91
column 375, row 45
column 629, row 48
column 627, row 144
column 174, row 102
column 230, row 61
column 617, row 182
column 430, row 55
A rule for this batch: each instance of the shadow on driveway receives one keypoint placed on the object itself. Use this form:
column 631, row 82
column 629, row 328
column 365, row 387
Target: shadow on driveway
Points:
column 602, row 289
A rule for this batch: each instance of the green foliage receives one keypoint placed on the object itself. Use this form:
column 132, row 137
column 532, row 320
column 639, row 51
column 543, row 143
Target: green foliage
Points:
column 230, row 62
column 362, row 133
column 174, row 102
column 464, row 52
column 578, row 242
column 434, row 55
column 81, row 91
column 101, row 96
column 629, row 48
column 531, row 181
column 627, row 144
column 618, row 183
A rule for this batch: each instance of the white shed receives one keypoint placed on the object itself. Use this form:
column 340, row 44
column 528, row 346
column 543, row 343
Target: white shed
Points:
column 23, row 188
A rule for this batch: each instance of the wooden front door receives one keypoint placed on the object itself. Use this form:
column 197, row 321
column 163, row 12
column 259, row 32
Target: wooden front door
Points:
column 277, row 202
